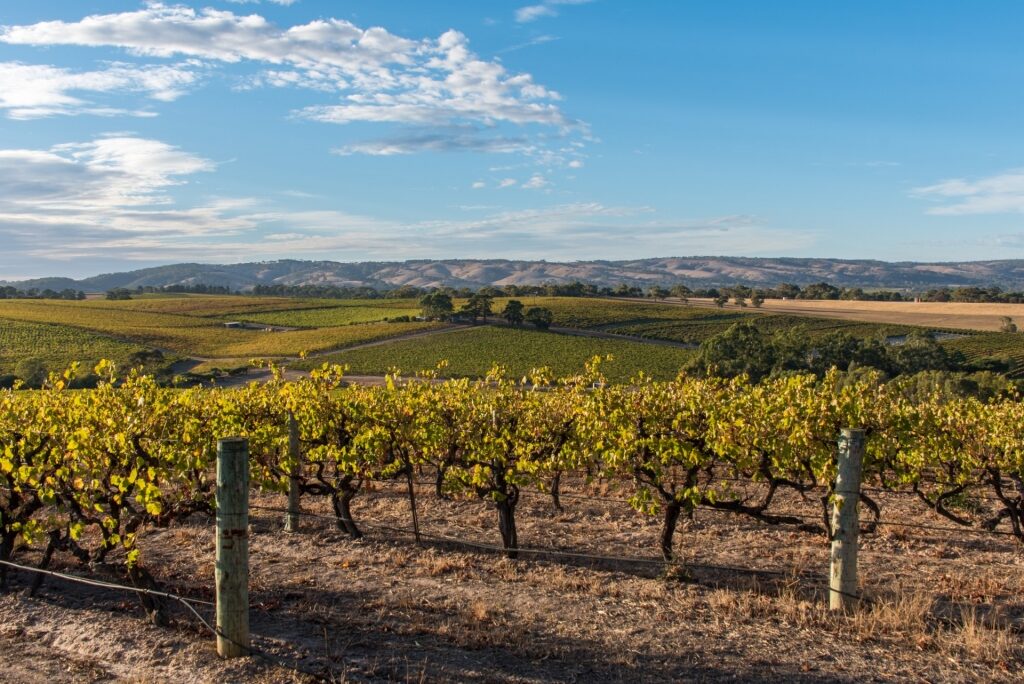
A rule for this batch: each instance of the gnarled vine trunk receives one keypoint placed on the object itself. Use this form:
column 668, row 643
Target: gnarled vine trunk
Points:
column 507, row 525
column 341, row 502
column 668, row 529
column 439, row 482
column 154, row 606
column 556, row 490
column 6, row 548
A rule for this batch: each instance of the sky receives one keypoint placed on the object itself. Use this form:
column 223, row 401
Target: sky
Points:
column 136, row 133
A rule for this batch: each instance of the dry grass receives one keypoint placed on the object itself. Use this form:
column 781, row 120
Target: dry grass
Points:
column 958, row 315
column 382, row 608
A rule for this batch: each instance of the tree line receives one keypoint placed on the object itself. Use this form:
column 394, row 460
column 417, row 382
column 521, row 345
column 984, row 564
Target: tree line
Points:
column 746, row 349
column 439, row 306
column 740, row 293
column 10, row 292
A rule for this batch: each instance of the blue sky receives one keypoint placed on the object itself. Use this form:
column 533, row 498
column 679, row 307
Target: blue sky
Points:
column 140, row 133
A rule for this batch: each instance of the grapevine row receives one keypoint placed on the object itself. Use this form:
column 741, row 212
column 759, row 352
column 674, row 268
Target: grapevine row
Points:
column 85, row 472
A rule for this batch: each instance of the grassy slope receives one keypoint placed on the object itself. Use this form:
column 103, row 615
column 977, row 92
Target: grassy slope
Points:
column 192, row 325
column 57, row 346
column 687, row 324
column 362, row 312
column 195, row 335
column 1005, row 345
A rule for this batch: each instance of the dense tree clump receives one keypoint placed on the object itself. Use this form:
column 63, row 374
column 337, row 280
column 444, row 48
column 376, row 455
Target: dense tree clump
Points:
column 746, row 349
column 540, row 317
column 10, row 292
column 436, row 306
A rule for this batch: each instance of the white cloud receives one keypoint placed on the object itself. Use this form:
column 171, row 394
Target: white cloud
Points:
column 536, row 182
column 443, row 140
column 507, row 182
column 112, row 188
column 538, row 40
column 591, row 230
column 569, row 232
column 379, row 76
column 29, row 91
column 575, row 164
column 999, row 194
column 478, row 185
column 533, row 12
column 98, row 176
column 548, row 8
column 451, row 86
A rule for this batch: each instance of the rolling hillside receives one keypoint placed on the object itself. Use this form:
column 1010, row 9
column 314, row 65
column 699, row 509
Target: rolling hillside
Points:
column 694, row 271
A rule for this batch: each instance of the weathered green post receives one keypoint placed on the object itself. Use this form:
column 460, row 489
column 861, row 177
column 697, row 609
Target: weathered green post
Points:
column 232, row 568
column 291, row 518
column 846, row 522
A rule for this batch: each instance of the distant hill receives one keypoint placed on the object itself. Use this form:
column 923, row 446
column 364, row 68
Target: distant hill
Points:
column 692, row 271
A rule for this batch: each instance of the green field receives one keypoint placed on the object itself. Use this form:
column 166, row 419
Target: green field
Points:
column 193, row 335
column 184, row 326
column 57, row 346
column 242, row 307
column 320, row 317
column 688, row 324
column 596, row 314
column 1002, row 345
column 474, row 351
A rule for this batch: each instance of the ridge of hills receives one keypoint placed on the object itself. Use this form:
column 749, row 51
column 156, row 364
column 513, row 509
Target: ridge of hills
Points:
column 712, row 271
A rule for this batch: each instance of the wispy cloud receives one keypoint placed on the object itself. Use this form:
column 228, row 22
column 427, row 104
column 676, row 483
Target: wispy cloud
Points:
column 457, row 140
column 999, row 194
column 286, row 3
column 536, row 182
column 539, row 40
column 548, row 8
column 98, row 176
column 113, row 200
column 30, row 91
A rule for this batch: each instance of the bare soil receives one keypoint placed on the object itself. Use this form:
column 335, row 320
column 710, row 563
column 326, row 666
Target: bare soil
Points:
column 942, row 607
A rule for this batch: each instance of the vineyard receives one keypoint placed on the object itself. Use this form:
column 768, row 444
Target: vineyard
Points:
column 193, row 327
column 57, row 346
column 87, row 477
column 983, row 345
column 197, row 335
column 473, row 352
column 370, row 312
column 239, row 306
column 692, row 324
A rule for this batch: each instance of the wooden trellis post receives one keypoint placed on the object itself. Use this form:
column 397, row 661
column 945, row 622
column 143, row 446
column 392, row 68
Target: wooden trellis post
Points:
column 291, row 518
column 232, row 567
column 846, row 522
